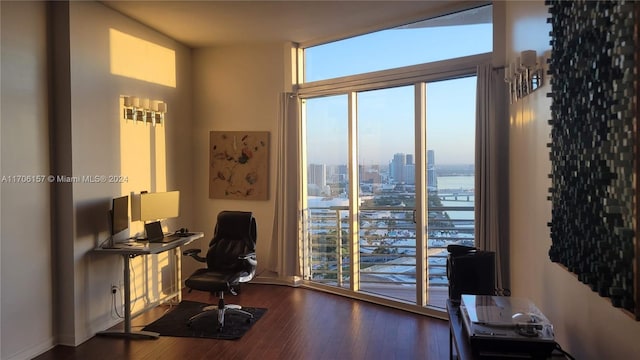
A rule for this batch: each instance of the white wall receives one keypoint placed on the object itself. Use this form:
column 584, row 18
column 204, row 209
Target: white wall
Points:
column 250, row 77
column 585, row 324
column 25, row 237
column 54, row 289
column 151, row 158
column 37, row 311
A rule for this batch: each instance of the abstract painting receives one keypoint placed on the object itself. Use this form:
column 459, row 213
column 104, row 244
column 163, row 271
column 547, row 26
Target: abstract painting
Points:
column 239, row 165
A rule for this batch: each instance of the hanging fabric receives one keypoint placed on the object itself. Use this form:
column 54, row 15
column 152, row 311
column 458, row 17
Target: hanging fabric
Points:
column 284, row 259
column 491, row 180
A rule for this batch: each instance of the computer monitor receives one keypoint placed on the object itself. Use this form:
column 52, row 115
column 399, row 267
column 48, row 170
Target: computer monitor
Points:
column 119, row 214
column 155, row 206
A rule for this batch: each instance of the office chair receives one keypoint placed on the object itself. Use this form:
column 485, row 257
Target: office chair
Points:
column 231, row 260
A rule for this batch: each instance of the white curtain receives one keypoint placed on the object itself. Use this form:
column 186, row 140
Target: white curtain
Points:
column 284, row 259
column 491, row 180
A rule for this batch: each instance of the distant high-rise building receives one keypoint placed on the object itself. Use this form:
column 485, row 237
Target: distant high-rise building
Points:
column 396, row 168
column 317, row 174
column 409, row 158
column 432, row 177
column 431, row 157
column 369, row 174
column 402, row 170
column 333, row 175
column 409, row 174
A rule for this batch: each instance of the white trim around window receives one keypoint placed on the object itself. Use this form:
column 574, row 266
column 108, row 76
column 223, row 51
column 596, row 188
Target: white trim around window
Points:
column 434, row 71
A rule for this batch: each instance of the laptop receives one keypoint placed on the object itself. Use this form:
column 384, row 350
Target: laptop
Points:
column 156, row 235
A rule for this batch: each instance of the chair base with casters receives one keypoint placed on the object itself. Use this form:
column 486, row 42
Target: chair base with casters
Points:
column 221, row 309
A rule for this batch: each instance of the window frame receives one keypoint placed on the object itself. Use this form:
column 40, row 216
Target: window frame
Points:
column 413, row 75
column 417, row 76
column 403, row 76
column 450, row 8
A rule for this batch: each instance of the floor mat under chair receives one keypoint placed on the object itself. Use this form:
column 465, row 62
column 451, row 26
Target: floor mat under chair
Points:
column 174, row 323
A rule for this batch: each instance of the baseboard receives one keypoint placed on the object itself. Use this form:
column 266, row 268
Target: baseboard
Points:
column 33, row 351
column 294, row 281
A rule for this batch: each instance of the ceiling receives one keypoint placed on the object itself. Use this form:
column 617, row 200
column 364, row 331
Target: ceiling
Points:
column 213, row 23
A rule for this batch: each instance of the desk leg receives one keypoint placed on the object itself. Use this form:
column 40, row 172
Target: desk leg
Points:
column 450, row 343
column 128, row 333
column 179, row 273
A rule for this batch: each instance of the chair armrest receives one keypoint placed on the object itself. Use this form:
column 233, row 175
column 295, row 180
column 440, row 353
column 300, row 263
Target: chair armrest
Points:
column 249, row 258
column 250, row 263
column 194, row 254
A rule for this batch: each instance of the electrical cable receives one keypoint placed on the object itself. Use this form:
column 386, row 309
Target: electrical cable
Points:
column 566, row 354
column 104, row 241
column 115, row 304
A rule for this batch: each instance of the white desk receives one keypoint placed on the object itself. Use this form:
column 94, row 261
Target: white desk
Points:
column 128, row 252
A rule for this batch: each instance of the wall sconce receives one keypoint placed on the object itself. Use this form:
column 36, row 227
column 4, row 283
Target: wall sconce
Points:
column 131, row 108
column 161, row 110
column 524, row 76
column 144, row 110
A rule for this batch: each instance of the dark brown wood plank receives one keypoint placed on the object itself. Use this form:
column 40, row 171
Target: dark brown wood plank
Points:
column 299, row 324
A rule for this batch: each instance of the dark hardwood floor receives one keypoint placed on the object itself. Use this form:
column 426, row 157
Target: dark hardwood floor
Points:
column 299, row 324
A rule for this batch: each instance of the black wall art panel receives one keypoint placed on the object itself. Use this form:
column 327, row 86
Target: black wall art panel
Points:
column 593, row 146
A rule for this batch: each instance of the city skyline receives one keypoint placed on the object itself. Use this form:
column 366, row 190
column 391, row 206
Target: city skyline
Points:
column 400, row 170
column 386, row 124
column 430, row 162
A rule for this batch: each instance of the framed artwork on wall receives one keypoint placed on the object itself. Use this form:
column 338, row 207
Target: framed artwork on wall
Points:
column 239, row 165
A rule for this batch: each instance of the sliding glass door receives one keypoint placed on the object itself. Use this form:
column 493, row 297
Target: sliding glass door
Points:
column 327, row 190
column 389, row 184
column 450, row 166
column 386, row 197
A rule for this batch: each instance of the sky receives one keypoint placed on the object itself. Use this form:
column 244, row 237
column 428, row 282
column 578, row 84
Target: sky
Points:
column 386, row 117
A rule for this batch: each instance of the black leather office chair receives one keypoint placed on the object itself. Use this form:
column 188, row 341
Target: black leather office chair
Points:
column 231, row 260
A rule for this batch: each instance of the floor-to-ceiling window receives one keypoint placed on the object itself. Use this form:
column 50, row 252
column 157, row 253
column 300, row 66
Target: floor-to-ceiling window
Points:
column 388, row 150
column 327, row 189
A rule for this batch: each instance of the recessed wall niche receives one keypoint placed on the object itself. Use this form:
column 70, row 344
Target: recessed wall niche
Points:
column 593, row 148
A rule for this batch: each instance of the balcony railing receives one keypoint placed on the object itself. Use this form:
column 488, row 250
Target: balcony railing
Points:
column 387, row 247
